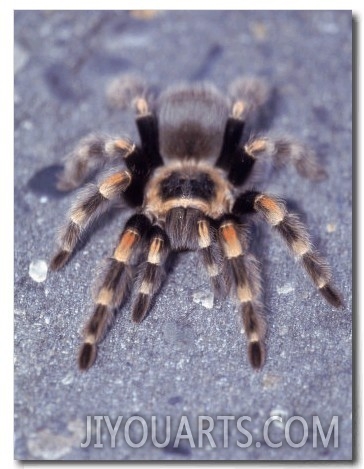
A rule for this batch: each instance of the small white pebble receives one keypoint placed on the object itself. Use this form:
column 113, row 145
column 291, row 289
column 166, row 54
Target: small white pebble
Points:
column 283, row 330
column 27, row 125
column 331, row 227
column 43, row 199
column 206, row 299
column 47, row 320
column 68, row 379
column 38, row 270
column 285, row 289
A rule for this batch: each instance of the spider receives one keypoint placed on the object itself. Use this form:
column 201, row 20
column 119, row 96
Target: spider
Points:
column 187, row 180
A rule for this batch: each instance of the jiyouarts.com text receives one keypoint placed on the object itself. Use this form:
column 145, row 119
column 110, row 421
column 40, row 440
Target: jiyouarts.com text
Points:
column 220, row 431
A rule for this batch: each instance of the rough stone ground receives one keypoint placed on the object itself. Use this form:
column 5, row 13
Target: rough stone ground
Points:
column 184, row 359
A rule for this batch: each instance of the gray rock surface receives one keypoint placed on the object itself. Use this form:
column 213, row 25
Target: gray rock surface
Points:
column 185, row 358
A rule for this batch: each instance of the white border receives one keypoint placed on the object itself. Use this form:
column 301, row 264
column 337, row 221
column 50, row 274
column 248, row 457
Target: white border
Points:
column 6, row 186
column 185, row 5
column 6, row 233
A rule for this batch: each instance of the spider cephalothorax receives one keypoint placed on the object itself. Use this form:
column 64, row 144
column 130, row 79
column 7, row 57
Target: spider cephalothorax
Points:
column 186, row 179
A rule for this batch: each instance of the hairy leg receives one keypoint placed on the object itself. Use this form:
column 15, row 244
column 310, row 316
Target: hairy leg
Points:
column 294, row 234
column 212, row 255
column 113, row 288
column 243, row 276
column 91, row 154
column 94, row 200
column 152, row 272
column 250, row 97
column 283, row 151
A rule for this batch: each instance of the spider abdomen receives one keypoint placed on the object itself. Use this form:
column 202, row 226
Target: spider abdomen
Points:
column 192, row 122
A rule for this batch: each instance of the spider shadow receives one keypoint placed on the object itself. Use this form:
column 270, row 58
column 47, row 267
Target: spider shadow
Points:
column 258, row 239
column 269, row 111
column 264, row 118
column 44, row 182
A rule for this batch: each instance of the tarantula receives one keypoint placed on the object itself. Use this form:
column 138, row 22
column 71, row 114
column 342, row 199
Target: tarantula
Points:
column 185, row 180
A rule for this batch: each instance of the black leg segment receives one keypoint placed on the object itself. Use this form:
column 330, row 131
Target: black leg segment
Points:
column 233, row 133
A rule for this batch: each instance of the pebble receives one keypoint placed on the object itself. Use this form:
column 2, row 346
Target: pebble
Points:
column 206, row 299
column 331, row 227
column 285, row 289
column 38, row 270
